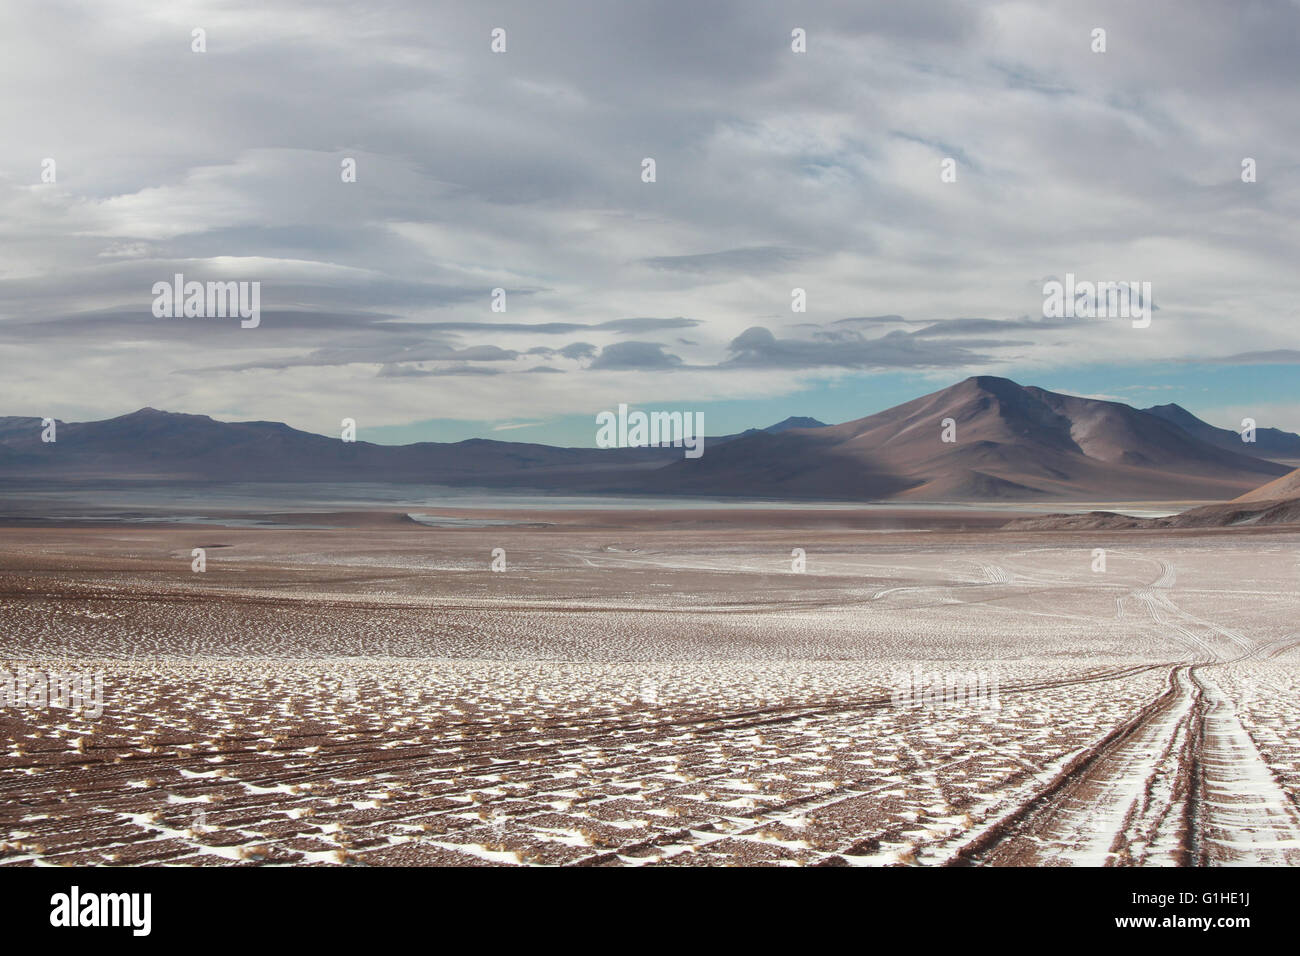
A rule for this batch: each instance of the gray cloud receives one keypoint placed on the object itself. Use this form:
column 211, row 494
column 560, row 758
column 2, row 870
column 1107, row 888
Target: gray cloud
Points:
column 1266, row 357
column 622, row 326
column 522, row 171
column 386, row 353
column 635, row 355
column 729, row 260
column 410, row 371
column 871, row 320
column 988, row 326
column 575, row 350
column 757, row 347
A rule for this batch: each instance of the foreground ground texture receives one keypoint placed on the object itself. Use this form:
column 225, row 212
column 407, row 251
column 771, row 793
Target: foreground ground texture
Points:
column 641, row 689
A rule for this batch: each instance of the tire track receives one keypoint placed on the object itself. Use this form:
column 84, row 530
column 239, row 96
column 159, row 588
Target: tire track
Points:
column 1112, row 804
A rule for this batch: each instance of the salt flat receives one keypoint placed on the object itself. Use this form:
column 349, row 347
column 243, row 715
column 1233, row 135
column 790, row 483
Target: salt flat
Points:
column 652, row 689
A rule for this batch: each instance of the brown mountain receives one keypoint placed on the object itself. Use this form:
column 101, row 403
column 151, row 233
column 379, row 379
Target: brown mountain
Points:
column 1271, row 443
column 1279, row 489
column 1011, row 442
column 153, row 444
column 1230, row 515
column 1275, row 503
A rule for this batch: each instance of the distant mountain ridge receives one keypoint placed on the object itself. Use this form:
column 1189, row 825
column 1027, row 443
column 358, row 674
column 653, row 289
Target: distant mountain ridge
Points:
column 1011, row 442
column 794, row 421
column 1268, row 443
column 175, row 446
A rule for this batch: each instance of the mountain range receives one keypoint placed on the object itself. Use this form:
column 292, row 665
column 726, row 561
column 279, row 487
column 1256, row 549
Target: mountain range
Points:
column 1012, row 442
column 1009, row 442
column 1269, row 442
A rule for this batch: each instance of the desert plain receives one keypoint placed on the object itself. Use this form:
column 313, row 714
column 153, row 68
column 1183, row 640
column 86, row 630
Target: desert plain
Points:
column 652, row 688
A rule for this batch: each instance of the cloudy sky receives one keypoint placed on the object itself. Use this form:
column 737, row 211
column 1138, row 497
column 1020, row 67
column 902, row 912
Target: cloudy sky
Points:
column 522, row 170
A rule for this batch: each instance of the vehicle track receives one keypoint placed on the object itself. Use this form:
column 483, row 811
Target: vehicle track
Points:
column 1181, row 783
column 1122, row 801
column 361, row 754
column 1242, row 814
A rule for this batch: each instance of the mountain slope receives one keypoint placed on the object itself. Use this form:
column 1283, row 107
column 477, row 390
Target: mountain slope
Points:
column 1279, row 489
column 151, row 444
column 794, row 421
column 1274, row 503
column 1012, row 442
column 1230, row 515
column 1269, row 442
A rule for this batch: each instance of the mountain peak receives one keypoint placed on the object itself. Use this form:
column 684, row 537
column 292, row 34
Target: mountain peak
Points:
column 1171, row 410
column 991, row 381
column 990, row 385
column 149, row 412
column 152, row 420
column 795, row 421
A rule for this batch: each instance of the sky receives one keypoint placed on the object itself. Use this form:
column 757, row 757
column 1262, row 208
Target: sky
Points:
column 523, row 170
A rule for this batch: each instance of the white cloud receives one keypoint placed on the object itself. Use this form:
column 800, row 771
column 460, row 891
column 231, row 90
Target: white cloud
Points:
column 522, row 171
